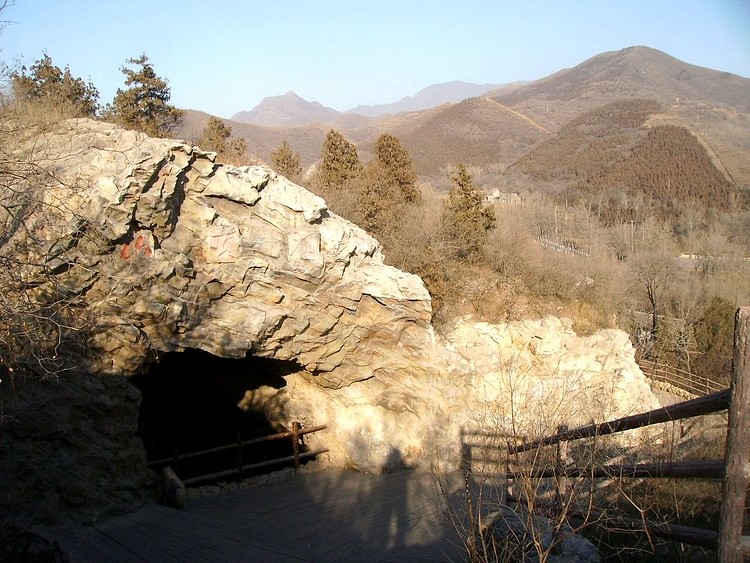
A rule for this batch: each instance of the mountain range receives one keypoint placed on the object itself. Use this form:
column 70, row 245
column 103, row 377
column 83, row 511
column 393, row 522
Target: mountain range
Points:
column 494, row 128
column 435, row 95
column 290, row 110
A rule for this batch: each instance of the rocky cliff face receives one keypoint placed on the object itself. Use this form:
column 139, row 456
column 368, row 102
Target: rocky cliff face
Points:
column 68, row 450
column 171, row 250
column 190, row 253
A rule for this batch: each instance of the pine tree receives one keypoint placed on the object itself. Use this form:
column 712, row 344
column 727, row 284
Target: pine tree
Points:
column 466, row 221
column 144, row 105
column 286, row 162
column 397, row 168
column 56, row 89
column 340, row 162
column 388, row 184
column 217, row 137
column 379, row 201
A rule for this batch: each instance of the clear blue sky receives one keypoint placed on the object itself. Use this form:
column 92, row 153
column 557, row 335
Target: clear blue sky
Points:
column 225, row 56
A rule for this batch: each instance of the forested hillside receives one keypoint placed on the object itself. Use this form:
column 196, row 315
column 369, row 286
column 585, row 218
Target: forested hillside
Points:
column 610, row 149
column 588, row 144
column 628, row 213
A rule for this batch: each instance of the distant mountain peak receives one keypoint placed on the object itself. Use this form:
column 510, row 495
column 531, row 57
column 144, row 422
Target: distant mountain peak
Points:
column 634, row 72
column 287, row 110
column 429, row 97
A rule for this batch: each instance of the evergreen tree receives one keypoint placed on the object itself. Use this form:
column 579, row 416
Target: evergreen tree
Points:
column 217, row 137
column 286, row 162
column 236, row 151
column 57, row 89
column 340, row 162
column 144, row 104
column 466, row 221
column 388, row 185
column 397, row 168
column 379, row 201
column 714, row 335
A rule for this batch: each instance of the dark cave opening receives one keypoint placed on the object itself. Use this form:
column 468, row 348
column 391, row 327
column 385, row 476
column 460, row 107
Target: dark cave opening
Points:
column 190, row 402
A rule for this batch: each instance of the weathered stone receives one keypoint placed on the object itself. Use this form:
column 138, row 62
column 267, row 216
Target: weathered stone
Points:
column 244, row 232
column 481, row 377
column 236, row 261
column 522, row 536
column 67, row 449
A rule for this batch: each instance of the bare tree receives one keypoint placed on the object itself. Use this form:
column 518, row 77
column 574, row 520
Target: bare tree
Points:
column 653, row 272
column 42, row 318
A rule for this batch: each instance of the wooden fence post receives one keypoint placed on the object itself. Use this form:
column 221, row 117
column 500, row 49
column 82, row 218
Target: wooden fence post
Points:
column 734, row 486
column 295, row 444
column 239, row 454
column 561, row 481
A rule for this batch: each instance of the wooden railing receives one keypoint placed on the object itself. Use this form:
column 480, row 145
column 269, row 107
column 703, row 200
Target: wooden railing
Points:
column 565, row 246
column 695, row 385
column 295, row 435
column 733, row 470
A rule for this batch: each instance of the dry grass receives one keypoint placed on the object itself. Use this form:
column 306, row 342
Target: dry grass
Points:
column 508, row 520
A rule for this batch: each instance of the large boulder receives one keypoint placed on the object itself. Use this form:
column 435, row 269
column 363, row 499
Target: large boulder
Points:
column 68, row 449
column 174, row 250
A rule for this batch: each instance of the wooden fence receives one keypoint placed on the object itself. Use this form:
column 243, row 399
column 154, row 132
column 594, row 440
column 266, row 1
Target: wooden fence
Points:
column 295, row 435
column 565, row 246
column 733, row 470
column 695, row 385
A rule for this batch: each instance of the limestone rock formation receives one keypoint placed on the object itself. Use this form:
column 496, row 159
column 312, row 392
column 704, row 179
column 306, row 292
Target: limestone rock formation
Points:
column 523, row 377
column 173, row 250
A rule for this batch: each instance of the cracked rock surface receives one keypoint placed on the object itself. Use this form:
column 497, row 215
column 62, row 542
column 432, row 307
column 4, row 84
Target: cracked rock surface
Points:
column 170, row 250
column 191, row 253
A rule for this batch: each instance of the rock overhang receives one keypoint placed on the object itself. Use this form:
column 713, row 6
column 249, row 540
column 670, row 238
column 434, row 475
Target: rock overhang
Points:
column 231, row 260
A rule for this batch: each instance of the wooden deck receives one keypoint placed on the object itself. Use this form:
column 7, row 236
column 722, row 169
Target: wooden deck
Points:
column 328, row 516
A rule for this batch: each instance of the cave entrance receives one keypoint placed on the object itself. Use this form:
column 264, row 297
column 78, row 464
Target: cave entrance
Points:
column 195, row 401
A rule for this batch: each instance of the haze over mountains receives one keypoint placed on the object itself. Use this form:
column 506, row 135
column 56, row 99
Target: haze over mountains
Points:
column 430, row 97
column 494, row 128
column 290, row 110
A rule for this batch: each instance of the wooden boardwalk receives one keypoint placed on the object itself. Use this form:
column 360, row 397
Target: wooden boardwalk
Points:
column 335, row 515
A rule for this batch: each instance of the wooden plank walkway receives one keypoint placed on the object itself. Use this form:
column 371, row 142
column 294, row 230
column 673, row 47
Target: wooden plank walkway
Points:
column 335, row 515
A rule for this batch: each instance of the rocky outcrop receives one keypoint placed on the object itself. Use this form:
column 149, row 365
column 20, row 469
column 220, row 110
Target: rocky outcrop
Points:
column 523, row 378
column 173, row 250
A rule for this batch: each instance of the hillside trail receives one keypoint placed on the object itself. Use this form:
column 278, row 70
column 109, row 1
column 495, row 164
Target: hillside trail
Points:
column 521, row 116
column 332, row 515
